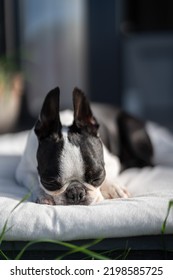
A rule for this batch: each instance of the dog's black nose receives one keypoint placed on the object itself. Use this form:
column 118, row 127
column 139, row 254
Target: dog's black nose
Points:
column 75, row 193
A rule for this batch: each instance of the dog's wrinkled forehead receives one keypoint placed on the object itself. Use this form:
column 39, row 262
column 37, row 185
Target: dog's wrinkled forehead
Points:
column 72, row 157
column 68, row 153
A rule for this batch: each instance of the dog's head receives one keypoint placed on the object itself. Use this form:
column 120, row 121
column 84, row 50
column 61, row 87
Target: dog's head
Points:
column 70, row 159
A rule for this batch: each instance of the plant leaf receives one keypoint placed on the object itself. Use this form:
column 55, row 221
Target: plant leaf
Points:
column 72, row 247
column 4, row 229
column 4, row 255
column 166, row 218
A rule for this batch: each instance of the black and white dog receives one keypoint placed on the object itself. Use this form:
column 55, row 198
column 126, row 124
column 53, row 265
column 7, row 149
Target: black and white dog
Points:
column 69, row 159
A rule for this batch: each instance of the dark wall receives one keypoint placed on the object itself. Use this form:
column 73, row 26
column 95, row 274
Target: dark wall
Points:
column 147, row 15
column 148, row 60
column 2, row 30
column 104, row 52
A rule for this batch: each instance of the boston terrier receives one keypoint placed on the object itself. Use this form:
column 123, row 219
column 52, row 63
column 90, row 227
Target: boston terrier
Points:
column 69, row 160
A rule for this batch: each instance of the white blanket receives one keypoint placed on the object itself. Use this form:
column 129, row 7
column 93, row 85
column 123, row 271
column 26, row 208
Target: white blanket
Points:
column 142, row 214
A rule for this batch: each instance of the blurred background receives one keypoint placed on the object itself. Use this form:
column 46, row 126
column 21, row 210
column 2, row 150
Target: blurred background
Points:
column 119, row 52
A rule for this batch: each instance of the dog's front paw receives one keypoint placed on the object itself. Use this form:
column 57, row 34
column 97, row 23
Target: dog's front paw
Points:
column 113, row 190
column 45, row 199
column 119, row 191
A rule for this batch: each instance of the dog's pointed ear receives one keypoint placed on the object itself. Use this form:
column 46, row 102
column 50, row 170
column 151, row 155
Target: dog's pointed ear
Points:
column 83, row 116
column 49, row 120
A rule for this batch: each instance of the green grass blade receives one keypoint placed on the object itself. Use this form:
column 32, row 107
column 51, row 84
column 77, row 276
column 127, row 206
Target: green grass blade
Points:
column 70, row 246
column 3, row 255
column 84, row 250
column 126, row 253
column 79, row 248
column 21, row 201
column 166, row 218
column 4, row 229
column 18, row 257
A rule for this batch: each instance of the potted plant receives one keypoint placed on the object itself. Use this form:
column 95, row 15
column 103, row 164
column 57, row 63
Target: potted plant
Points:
column 11, row 89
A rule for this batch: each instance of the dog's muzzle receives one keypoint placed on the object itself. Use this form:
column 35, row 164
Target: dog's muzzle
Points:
column 75, row 193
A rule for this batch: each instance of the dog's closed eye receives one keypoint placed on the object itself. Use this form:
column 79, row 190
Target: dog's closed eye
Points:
column 98, row 178
column 51, row 183
column 97, row 181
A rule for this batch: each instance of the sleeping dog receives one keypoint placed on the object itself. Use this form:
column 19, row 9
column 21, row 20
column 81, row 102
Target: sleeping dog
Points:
column 71, row 159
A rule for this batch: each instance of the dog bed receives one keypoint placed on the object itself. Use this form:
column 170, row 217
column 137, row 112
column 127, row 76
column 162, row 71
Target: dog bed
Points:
column 142, row 214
